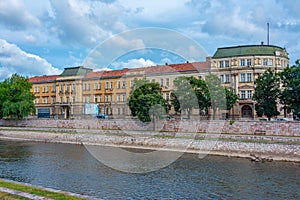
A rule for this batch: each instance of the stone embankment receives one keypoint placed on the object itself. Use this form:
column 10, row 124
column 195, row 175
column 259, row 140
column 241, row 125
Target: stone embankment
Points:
column 264, row 147
column 211, row 126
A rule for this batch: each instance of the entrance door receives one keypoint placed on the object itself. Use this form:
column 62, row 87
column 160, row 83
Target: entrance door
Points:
column 246, row 111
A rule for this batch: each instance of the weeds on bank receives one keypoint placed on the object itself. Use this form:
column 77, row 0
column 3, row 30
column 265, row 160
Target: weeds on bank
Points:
column 36, row 191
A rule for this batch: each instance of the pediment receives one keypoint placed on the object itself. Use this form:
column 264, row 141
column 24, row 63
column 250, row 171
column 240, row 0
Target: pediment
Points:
column 247, row 86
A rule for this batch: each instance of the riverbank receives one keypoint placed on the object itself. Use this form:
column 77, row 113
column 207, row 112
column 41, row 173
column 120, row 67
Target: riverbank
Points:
column 16, row 190
column 266, row 147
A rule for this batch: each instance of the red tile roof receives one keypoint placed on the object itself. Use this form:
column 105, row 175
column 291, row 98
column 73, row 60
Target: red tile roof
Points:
column 106, row 74
column 184, row 67
column 41, row 79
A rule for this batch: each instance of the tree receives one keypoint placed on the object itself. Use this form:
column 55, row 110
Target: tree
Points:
column 231, row 98
column 16, row 100
column 290, row 94
column 217, row 93
column 190, row 93
column 145, row 100
column 266, row 94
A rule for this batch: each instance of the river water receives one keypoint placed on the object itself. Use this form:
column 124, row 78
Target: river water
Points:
column 71, row 168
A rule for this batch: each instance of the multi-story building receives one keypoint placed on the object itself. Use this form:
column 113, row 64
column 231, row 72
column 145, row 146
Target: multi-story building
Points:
column 239, row 66
column 78, row 89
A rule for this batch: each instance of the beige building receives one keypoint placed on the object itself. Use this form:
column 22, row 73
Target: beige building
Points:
column 239, row 66
column 79, row 92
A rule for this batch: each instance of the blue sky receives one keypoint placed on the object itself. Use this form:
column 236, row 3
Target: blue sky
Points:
column 39, row 37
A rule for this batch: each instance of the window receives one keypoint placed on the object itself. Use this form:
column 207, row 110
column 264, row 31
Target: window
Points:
column 46, row 88
column 53, row 88
column 226, row 63
column 243, row 78
column 84, row 87
column 68, row 100
column 73, row 87
column 167, row 82
column 119, row 111
column 153, row 80
column 111, row 98
column 200, row 77
column 131, row 83
column 111, row 85
column 95, row 98
column 242, row 62
column 222, row 78
column 95, row 86
column 227, row 78
column 161, row 82
column 249, row 94
column 53, row 100
column 61, row 100
column 106, row 98
column 38, row 89
column 270, row 62
column 167, row 97
column 124, row 84
column 265, row 62
column 119, row 84
column 118, row 98
column 248, row 62
column 88, row 99
column 123, row 97
column 106, row 85
column 249, row 77
column 243, row 94
column 221, row 64
column 67, row 87
column 34, row 89
column 88, row 86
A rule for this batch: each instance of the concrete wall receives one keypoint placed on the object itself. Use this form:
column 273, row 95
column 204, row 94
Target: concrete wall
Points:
column 238, row 127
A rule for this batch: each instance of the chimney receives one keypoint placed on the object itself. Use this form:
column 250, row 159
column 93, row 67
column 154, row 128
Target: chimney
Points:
column 261, row 43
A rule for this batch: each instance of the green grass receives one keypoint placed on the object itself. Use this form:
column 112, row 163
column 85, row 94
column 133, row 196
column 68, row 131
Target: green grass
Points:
column 36, row 191
column 6, row 196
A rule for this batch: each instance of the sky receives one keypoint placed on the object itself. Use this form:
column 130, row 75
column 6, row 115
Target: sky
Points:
column 42, row 37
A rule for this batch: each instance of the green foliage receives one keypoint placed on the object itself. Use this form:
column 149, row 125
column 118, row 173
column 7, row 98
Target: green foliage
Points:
column 266, row 94
column 231, row 98
column 16, row 100
column 217, row 93
column 145, row 100
column 190, row 93
column 290, row 94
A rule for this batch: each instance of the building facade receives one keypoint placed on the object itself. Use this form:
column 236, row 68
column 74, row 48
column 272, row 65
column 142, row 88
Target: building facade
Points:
column 79, row 92
column 239, row 66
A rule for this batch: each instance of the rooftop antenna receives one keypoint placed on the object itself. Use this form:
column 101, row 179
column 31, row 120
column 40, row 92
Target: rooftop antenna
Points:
column 268, row 33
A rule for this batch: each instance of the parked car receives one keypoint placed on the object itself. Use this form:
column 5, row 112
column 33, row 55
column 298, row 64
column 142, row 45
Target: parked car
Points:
column 170, row 118
column 283, row 119
column 102, row 116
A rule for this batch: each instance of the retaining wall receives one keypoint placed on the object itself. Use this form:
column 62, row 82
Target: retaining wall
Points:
column 218, row 126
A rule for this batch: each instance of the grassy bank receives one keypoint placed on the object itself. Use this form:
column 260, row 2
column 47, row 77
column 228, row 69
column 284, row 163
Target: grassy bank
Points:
column 32, row 190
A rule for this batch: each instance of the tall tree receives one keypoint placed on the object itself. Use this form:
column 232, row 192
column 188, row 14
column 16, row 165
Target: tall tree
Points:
column 145, row 100
column 290, row 94
column 16, row 100
column 266, row 94
column 190, row 93
column 217, row 93
column 231, row 98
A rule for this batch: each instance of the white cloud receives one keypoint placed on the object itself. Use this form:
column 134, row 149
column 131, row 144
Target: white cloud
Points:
column 15, row 16
column 133, row 63
column 15, row 60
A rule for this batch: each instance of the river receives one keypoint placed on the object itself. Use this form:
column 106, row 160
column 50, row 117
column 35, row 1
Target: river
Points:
column 72, row 168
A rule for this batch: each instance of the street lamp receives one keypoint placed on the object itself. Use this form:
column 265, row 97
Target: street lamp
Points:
column 254, row 102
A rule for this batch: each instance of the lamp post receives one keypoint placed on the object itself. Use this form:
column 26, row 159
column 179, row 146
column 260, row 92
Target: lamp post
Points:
column 254, row 102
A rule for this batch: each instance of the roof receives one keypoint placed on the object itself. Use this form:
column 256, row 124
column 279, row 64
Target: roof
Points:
column 248, row 50
column 43, row 79
column 184, row 67
column 106, row 74
column 76, row 71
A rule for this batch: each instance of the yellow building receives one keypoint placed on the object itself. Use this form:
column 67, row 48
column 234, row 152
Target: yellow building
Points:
column 44, row 89
column 81, row 93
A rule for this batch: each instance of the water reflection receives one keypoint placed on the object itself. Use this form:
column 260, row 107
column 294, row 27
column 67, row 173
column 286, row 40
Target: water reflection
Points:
column 72, row 168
